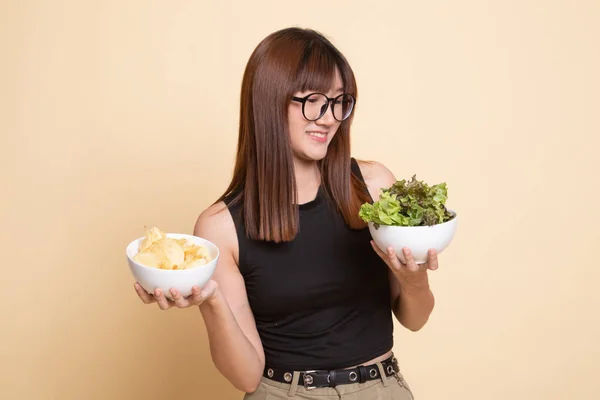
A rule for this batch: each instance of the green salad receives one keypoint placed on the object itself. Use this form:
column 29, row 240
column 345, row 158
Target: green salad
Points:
column 408, row 203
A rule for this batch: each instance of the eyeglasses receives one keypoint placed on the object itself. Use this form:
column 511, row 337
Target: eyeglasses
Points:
column 315, row 105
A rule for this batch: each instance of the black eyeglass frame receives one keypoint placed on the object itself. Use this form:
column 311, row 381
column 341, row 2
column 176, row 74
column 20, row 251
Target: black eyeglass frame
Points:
column 302, row 100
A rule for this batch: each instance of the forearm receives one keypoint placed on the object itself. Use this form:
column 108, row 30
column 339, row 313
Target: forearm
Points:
column 233, row 354
column 415, row 304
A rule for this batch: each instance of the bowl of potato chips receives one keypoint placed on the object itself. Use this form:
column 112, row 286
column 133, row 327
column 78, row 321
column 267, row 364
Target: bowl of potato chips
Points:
column 171, row 260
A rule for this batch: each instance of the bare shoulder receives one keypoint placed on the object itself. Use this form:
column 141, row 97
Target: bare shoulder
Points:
column 215, row 217
column 377, row 176
column 216, row 224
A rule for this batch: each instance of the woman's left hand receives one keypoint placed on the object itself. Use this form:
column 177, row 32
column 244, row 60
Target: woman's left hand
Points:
column 409, row 273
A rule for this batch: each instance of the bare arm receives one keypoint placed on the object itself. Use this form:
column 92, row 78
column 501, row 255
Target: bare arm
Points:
column 235, row 345
column 412, row 298
column 412, row 305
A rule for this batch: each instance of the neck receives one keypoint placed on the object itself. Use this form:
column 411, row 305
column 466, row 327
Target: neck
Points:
column 308, row 179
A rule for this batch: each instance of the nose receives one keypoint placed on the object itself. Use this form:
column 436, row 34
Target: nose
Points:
column 327, row 118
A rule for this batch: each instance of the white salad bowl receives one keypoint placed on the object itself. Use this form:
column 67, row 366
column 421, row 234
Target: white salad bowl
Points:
column 419, row 239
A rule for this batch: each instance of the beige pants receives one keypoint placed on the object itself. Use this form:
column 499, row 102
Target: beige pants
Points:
column 392, row 388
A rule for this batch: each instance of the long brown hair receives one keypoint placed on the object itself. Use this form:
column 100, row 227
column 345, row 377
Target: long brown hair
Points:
column 287, row 61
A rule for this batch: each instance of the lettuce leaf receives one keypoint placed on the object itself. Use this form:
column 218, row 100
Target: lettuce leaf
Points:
column 408, row 203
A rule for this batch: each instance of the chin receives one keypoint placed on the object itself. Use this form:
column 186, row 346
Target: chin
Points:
column 310, row 156
column 315, row 156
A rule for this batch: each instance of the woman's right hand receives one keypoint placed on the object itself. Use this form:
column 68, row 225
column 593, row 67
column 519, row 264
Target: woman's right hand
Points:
column 198, row 296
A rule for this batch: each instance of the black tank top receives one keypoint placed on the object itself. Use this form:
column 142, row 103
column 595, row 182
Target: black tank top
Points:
column 321, row 301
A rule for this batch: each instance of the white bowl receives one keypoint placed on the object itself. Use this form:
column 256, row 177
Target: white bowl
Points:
column 419, row 239
column 183, row 280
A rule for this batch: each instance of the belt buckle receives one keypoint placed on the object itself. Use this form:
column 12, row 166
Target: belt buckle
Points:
column 308, row 379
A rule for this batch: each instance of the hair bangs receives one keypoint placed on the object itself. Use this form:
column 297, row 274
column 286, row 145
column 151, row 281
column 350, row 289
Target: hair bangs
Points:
column 317, row 69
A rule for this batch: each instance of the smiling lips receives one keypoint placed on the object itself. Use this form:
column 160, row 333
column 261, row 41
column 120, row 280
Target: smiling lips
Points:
column 319, row 136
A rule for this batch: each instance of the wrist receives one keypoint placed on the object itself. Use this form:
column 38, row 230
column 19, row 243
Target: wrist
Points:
column 415, row 289
column 212, row 301
column 415, row 284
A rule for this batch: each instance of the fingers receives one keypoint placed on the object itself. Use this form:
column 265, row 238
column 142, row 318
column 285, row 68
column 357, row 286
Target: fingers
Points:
column 162, row 301
column 178, row 299
column 409, row 260
column 432, row 260
column 390, row 257
column 196, row 297
column 393, row 259
column 146, row 298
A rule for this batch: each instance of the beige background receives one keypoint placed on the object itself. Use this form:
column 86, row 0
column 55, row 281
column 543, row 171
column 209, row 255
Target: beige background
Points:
column 116, row 114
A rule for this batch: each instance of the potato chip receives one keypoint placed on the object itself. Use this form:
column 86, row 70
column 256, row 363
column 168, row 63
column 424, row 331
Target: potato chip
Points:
column 149, row 259
column 152, row 235
column 174, row 252
column 159, row 251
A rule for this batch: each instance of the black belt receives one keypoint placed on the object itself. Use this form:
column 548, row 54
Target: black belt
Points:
column 331, row 378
